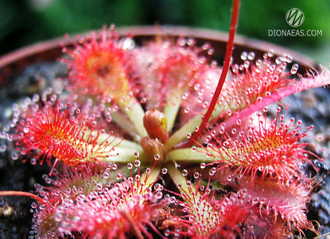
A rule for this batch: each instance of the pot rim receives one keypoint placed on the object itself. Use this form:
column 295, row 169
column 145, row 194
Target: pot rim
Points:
column 52, row 49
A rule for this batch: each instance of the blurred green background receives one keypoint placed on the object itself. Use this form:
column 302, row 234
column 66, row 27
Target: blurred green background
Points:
column 23, row 22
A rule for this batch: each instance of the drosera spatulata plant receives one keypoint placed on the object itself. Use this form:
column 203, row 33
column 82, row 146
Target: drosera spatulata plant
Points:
column 145, row 141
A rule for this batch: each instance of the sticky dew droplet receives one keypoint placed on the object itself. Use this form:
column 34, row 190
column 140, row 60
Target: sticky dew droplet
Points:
column 244, row 55
column 251, row 56
column 294, row 69
column 196, row 175
column 137, row 163
column 203, row 165
column 136, row 155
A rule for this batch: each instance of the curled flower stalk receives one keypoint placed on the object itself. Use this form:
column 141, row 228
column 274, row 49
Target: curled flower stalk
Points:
column 135, row 121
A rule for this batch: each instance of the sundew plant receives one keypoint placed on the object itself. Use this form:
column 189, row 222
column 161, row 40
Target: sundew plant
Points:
column 158, row 140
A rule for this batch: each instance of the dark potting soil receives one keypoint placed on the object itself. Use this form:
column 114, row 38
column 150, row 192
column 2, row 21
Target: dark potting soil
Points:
column 14, row 174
